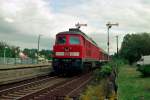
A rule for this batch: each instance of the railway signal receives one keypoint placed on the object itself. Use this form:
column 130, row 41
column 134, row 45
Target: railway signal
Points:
column 78, row 25
column 117, row 44
column 109, row 25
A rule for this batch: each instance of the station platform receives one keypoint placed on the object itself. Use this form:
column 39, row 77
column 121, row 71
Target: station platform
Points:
column 19, row 72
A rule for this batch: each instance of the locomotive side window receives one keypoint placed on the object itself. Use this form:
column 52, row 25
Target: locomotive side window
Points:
column 61, row 40
column 74, row 40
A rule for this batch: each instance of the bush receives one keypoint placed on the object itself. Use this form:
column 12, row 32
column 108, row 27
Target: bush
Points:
column 99, row 89
column 101, row 73
column 106, row 71
column 117, row 62
column 144, row 69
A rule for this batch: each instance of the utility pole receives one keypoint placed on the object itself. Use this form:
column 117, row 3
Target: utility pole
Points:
column 117, row 44
column 109, row 25
column 38, row 47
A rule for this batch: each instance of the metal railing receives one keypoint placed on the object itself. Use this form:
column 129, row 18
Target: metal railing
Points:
column 17, row 61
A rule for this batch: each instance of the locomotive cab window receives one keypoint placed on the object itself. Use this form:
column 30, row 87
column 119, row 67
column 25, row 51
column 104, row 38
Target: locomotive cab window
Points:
column 61, row 40
column 74, row 40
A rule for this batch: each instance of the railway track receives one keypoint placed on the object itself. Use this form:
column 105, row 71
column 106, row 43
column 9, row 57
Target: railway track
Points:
column 14, row 84
column 18, row 92
column 68, row 89
column 53, row 88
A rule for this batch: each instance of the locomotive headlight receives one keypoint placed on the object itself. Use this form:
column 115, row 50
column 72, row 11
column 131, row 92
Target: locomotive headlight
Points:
column 59, row 53
column 74, row 53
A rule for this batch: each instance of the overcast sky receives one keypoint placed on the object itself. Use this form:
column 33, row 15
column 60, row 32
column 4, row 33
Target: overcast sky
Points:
column 21, row 21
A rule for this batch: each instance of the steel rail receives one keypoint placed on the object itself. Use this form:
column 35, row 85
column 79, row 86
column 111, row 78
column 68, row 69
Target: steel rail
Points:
column 25, row 84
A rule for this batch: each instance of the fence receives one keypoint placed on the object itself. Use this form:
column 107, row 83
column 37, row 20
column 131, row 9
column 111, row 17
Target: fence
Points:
column 17, row 61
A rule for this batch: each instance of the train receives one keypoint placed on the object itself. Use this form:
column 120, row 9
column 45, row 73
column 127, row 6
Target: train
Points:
column 75, row 52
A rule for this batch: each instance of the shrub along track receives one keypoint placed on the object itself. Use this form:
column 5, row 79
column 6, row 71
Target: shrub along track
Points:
column 52, row 88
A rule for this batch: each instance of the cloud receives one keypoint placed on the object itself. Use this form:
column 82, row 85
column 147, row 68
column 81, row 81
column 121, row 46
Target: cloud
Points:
column 9, row 20
column 29, row 18
column 22, row 21
column 28, row 41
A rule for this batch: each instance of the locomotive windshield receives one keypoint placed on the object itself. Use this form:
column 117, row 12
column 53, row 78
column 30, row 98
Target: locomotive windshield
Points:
column 61, row 40
column 74, row 40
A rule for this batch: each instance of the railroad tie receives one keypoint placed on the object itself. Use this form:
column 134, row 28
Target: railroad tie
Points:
column 6, row 97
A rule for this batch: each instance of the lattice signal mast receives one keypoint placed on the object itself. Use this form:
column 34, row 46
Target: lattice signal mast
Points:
column 109, row 25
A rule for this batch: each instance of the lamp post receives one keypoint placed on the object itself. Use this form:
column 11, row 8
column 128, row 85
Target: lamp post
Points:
column 16, row 53
column 109, row 25
column 5, row 54
column 38, row 47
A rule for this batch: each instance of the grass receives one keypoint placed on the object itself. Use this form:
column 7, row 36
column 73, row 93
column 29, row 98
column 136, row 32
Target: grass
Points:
column 99, row 89
column 131, row 85
column 95, row 92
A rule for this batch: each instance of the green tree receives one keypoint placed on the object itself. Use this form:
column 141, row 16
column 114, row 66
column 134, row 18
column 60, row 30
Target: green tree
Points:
column 30, row 52
column 134, row 46
column 10, row 51
column 46, row 53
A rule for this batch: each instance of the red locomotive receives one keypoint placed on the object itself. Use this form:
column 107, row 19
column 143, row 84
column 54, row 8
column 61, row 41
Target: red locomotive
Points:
column 74, row 51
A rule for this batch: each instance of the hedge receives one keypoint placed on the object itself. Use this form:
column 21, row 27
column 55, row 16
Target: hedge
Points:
column 144, row 69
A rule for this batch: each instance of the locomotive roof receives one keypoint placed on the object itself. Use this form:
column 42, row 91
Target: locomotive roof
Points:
column 77, row 31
